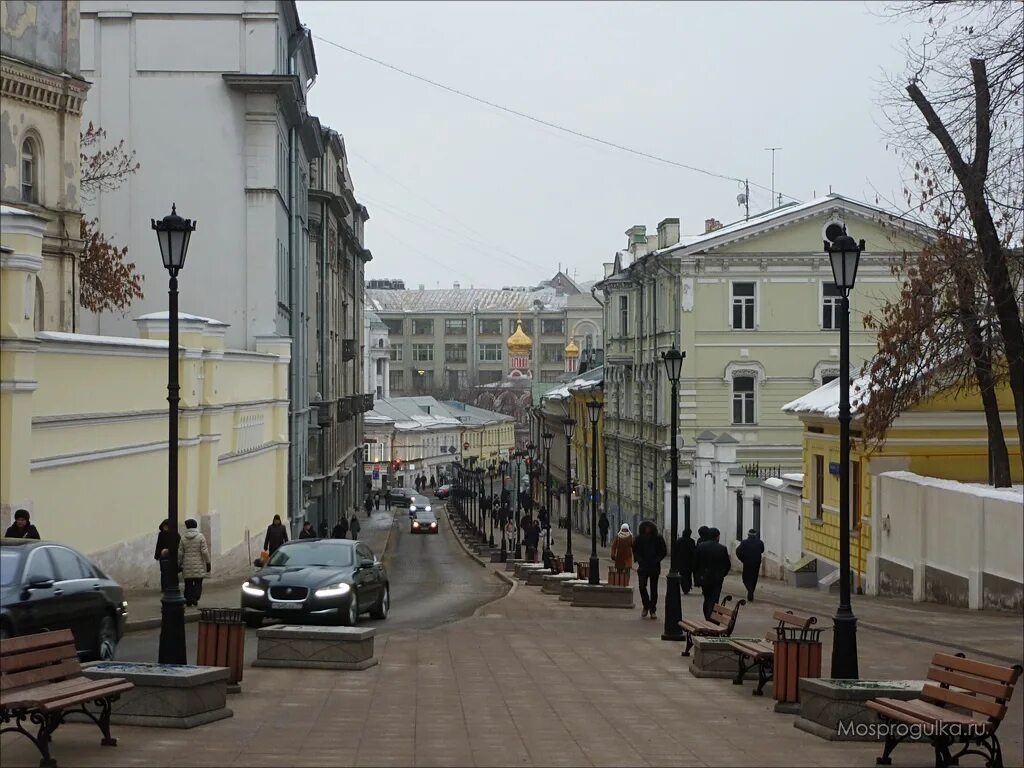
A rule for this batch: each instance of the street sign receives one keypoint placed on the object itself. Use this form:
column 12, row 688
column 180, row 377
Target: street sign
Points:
column 376, row 474
column 833, row 468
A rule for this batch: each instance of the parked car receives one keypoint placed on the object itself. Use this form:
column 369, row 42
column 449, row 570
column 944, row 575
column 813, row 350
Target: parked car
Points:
column 418, row 504
column 443, row 491
column 317, row 580
column 45, row 585
column 400, row 496
column 424, row 522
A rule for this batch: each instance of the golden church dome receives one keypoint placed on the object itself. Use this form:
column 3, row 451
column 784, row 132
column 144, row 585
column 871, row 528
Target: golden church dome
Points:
column 571, row 350
column 519, row 343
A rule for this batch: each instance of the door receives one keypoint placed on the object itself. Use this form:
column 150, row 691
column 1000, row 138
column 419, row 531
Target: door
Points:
column 41, row 605
column 82, row 604
column 368, row 580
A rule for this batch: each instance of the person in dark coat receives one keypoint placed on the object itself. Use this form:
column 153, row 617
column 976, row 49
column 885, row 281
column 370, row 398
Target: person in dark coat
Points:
column 368, row 505
column 22, row 528
column 340, row 529
column 602, row 527
column 387, row 500
column 714, row 563
column 277, row 535
column 532, row 540
column 749, row 553
column 649, row 550
column 166, row 546
column 433, row 484
column 353, row 526
column 698, row 573
column 682, row 560
column 307, row 531
column 376, row 501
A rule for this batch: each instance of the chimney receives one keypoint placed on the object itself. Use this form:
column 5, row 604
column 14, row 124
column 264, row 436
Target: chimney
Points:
column 455, row 285
column 710, row 225
column 668, row 233
column 637, row 243
column 609, row 267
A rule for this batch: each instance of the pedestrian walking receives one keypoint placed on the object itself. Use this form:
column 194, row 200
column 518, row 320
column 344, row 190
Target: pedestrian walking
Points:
column 649, row 550
column 387, row 500
column 21, row 528
column 698, row 574
column 353, row 526
column 433, row 484
column 340, row 530
column 532, row 539
column 682, row 560
column 713, row 563
column 166, row 547
column 545, row 518
column 307, row 531
column 376, row 501
column 368, row 506
column 322, row 529
column 277, row 535
column 602, row 527
column 193, row 561
column 622, row 549
column 749, row 553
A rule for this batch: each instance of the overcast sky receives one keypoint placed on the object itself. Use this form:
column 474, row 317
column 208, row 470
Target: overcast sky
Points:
column 461, row 191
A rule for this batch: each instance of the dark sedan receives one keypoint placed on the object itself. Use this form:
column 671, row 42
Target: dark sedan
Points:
column 317, row 580
column 424, row 522
column 48, row 586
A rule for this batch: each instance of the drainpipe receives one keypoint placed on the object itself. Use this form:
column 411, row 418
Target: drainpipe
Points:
column 325, row 504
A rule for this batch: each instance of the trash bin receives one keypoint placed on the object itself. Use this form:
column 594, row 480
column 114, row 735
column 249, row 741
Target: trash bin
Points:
column 583, row 570
column 222, row 641
column 618, row 578
column 797, row 654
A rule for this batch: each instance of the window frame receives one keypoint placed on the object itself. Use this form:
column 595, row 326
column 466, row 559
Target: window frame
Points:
column 624, row 315
column 748, row 311
column 544, row 326
column 833, row 303
column 449, row 321
column 818, row 502
column 449, row 348
column 415, row 329
column 482, row 348
column 480, row 326
column 419, row 348
column 33, row 157
column 740, row 397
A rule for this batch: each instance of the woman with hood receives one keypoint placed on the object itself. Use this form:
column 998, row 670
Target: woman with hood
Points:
column 353, row 526
column 307, row 531
column 622, row 549
column 682, row 560
column 194, row 561
column 22, row 527
column 277, row 535
column 166, row 546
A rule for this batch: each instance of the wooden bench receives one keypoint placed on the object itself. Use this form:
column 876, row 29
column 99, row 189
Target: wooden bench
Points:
column 723, row 620
column 761, row 653
column 957, row 688
column 41, row 681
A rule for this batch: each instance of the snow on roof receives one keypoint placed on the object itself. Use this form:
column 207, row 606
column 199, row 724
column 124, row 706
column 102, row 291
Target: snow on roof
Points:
column 470, row 414
column 774, row 482
column 824, row 401
column 589, row 381
column 794, row 477
column 463, row 300
column 1016, row 493
column 411, row 413
column 10, row 210
column 84, row 338
column 164, row 315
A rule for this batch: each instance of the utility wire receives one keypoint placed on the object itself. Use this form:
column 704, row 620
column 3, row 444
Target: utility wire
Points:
column 540, row 121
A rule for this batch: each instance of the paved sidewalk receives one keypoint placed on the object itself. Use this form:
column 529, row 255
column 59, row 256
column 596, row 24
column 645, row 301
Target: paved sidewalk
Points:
column 144, row 605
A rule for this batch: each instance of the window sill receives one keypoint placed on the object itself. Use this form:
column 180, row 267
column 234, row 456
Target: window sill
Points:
column 819, row 521
column 741, row 426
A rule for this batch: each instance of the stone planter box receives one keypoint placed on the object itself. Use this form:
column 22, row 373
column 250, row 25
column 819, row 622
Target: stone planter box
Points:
column 568, row 587
column 165, row 695
column 524, row 569
column 826, row 704
column 551, row 584
column 712, row 657
column 496, row 555
column 536, row 577
column 316, row 647
column 602, row 596
column 510, row 563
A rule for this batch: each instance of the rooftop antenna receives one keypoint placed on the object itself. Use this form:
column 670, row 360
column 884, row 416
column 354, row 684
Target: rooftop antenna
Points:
column 773, row 150
column 743, row 198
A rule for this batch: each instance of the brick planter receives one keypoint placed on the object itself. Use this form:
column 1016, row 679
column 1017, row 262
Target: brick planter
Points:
column 712, row 657
column 316, row 647
column 827, row 704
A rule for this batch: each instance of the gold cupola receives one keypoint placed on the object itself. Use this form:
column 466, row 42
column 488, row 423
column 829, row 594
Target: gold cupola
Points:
column 519, row 344
column 571, row 350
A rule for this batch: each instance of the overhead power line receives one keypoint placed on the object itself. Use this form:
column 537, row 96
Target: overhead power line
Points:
column 541, row 121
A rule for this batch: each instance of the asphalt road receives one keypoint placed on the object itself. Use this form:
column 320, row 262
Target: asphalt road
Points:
column 433, row 582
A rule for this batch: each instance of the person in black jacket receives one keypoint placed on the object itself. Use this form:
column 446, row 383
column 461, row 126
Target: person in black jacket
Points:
column 277, row 535
column 166, row 546
column 749, row 553
column 698, row 564
column 22, row 528
column 307, row 531
column 532, row 540
column 714, row 562
column 602, row 528
column 341, row 529
column 682, row 560
column 649, row 550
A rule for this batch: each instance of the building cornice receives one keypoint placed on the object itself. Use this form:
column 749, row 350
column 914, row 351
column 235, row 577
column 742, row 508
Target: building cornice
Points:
column 29, row 84
column 287, row 88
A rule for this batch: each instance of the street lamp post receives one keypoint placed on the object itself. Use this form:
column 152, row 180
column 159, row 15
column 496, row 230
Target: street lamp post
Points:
column 673, row 360
column 844, row 253
column 173, row 233
column 519, row 485
column 569, row 427
column 490, row 501
column 594, row 410
column 504, row 549
column 484, row 508
column 547, row 438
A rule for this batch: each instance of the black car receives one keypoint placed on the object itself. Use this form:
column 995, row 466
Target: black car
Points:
column 317, row 580
column 47, row 586
column 400, row 496
column 418, row 504
column 424, row 522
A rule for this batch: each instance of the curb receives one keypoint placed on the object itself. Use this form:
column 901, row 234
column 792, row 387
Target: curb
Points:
column 462, row 544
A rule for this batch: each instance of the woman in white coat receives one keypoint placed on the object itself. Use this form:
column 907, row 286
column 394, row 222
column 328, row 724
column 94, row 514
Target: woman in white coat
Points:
column 193, row 561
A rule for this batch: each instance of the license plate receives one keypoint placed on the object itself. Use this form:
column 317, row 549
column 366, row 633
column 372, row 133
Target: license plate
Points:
column 286, row 606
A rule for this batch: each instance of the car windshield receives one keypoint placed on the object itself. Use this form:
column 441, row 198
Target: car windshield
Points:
column 422, row 516
column 313, row 553
column 419, row 502
column 8, row 566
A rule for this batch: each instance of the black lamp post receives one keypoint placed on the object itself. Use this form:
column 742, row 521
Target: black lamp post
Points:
column 673, row 360
column 504, row 546
column 173, row 233
column 547, row 439
column 594, row 410
column 569, row 426
column 844, row 253
column 519, row 485
column 490, row 501
column 483, row 506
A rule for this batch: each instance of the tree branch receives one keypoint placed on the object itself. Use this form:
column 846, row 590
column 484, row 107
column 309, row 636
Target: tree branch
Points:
column 982, row 119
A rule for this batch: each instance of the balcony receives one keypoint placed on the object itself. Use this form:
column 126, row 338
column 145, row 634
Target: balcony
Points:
column 344, row 408
column 363, row 403
column 324, row 411
column 348, row 350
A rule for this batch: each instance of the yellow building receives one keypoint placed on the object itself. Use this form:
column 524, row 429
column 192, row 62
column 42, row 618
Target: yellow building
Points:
column 83, row 427
column 943, row 437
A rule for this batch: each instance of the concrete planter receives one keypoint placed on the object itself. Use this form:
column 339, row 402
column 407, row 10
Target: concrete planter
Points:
column 536, row 577
column 837, row 709
column 525, row 569
column 315, row 647
column 496, row 555
column 712, row 657
column 551, row 584
column 568, row 587
column 602, row 596
column 165, row 695
column 510, row 563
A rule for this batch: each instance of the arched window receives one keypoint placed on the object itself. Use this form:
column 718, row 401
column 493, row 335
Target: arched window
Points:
column 39, row 320
column 30, row 170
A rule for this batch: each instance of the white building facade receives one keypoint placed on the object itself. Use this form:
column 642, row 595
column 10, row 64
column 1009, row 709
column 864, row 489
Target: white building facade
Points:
column 376, row 357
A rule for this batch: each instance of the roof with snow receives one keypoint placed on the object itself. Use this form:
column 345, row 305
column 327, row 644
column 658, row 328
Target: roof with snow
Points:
column 588, row 382
column 473, row 416
column 824, row 401
column 419, row 414
column 431, row 300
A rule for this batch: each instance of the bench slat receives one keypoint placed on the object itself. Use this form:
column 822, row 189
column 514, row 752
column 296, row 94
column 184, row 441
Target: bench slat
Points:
column 932, row 714
column 753, row 649
column 36, row 658
column 972, row 703
column 970, row 683
column 109, row 689
column 795, row 619
column 43, row 691
column 1006, row 675
column 49, row 673
column 895, row 714
column 34, row 642
column 45, row 696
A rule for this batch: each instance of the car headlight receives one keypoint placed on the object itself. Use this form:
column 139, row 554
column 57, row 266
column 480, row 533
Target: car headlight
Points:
column 412, row 507
column 433, row 525
column 252, row 589
column 427, row 508
column 335, row 590
column 415, row 525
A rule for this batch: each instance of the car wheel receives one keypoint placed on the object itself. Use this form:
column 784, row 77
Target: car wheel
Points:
column 352, row 616
column 382, row 608
column 106, row 639
column 253, row 620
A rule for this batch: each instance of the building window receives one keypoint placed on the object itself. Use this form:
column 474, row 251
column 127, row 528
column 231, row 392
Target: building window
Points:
column 830, row 377
column 553, row 326
column 743, row 306
column 396, row 381
column 455, row 327
column 455, row 353
column 422, row 353
column 489, row 327
column 551, row 353
column 830, row 300
column 623, row 315
column 423, row 380
column 422, row 327
column 30, row 170
column 489, row 377
column 743, row 400
column 757, row 516
column 396, row 326
column 490, row 353
column 819, row 486
column 396, row 353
